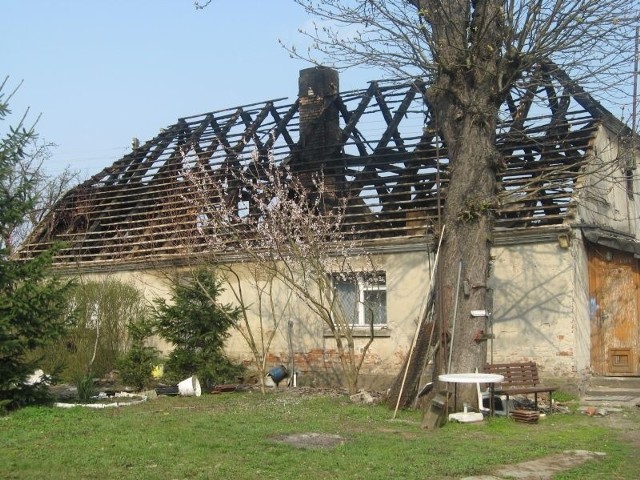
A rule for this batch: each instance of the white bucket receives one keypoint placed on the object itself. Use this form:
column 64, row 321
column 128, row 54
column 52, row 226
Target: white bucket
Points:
column 190, row 387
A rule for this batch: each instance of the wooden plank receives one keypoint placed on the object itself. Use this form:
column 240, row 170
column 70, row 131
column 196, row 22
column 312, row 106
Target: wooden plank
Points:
column 613, row 300
column 394, row 120
column 280, row 126
column 153, row 196
column 352, row 118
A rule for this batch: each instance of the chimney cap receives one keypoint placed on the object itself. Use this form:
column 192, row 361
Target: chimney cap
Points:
column 318, row 81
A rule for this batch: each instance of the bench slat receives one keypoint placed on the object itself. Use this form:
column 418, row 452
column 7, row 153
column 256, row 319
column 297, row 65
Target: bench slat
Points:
column 522, row 391
column 516, row 374
column 519, row 378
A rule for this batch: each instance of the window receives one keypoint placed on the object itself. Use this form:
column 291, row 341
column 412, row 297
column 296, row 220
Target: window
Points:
column 362, row 297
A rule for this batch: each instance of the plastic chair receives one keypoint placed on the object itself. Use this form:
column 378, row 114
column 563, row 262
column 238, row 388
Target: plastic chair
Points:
column 500, row 407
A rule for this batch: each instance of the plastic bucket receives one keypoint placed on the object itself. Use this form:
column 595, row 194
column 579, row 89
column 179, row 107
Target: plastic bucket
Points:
column 190, row 387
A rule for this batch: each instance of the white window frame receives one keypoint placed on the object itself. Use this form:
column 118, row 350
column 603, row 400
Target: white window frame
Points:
column 364, row 284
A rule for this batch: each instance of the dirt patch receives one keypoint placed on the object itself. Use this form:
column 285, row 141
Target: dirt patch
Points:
column 626, row 422
column 311, row 440
column 548, row 466
column 543, row 468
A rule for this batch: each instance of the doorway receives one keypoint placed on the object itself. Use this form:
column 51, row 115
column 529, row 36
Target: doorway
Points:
column 613, row 310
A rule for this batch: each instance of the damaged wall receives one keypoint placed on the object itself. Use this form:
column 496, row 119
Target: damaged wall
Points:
column 540, row 308
column 607, row 195
column 539, row 314
column 315, row 355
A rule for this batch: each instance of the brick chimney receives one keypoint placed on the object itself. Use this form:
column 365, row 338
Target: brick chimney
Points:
column 320, row 133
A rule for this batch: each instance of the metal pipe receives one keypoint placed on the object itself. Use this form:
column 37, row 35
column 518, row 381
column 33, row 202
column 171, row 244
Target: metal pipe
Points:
column 455, row 315
column 635, row 88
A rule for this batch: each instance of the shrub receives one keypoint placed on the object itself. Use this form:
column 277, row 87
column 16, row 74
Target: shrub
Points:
column 197, row 325
column 102, row 310
column 86, row 387
column 137, row 364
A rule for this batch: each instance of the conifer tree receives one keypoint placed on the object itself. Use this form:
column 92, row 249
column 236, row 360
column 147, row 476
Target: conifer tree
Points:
column 32, row 300
column 197, row 324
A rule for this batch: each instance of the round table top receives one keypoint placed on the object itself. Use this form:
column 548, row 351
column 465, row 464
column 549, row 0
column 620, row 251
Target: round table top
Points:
column 471, row 378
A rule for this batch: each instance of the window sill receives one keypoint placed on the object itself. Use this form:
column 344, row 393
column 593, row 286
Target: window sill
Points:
column 364, row 332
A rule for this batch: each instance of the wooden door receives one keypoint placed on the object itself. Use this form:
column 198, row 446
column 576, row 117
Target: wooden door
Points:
column 613, row 297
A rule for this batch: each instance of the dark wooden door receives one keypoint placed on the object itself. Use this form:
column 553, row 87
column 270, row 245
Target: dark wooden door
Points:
column 613, row 296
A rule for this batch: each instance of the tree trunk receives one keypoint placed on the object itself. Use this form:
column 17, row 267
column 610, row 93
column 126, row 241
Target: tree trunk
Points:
column 465, row 96
column 465, row 256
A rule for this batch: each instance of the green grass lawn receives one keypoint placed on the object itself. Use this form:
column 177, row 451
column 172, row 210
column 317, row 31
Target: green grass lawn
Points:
column 233, row 436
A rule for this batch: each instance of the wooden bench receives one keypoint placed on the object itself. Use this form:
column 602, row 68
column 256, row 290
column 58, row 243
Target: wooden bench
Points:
column 519, row 379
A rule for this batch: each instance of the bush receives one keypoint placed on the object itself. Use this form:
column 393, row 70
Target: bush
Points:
column 98, row 338
column 197, row 325
column 86, row 387
column 136, row 365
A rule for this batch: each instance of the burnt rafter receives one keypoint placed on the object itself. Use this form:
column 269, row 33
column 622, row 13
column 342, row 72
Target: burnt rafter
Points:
column 393, row 119
column 353, row 117
column 280, row 127
column 380, row 151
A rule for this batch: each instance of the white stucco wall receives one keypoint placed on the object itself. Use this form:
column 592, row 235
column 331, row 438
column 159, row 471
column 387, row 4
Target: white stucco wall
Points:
column 602, row 195
column 539, row 307
column 407, row 280
column 540, row 313
column 581, row 314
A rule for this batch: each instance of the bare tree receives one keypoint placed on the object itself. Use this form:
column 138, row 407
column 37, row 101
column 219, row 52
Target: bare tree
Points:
column 473, row 53
column 290, row 232
column 269, row 310
column 495, row 41
column 47, row 189
column 29, row 174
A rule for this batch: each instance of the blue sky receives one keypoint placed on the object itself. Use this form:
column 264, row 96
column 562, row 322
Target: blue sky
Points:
column 102, row 72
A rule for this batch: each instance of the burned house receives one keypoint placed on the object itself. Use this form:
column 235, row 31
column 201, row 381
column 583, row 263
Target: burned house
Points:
column 565, row 274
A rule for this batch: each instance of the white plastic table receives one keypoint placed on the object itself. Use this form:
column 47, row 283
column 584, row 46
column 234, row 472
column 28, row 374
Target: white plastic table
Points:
column 455, row 378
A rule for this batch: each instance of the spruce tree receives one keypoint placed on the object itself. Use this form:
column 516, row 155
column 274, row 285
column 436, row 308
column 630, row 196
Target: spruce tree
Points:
column 32, row 301
column 197, row 324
